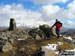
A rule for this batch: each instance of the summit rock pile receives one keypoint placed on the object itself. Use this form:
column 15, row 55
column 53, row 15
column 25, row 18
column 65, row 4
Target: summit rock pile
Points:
column 43, row 31
column 13, row 33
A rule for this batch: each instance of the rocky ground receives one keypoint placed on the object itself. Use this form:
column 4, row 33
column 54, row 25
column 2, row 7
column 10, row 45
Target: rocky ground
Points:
column 18, row 42
column 30, row 46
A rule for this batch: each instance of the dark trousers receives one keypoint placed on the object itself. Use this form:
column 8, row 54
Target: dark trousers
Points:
column 58, row 33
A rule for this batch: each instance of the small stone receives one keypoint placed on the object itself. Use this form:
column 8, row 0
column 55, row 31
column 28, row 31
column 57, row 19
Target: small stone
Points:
column 38, row 37
column 11, row 40
column 3, row 38
column 22, row 49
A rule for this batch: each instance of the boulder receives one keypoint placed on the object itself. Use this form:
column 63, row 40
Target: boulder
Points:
column 5, row 46
column 46, row 29
column 18, row 33
column 43, row 31
column 38, row 32
column 69, row 40
column 4, row 38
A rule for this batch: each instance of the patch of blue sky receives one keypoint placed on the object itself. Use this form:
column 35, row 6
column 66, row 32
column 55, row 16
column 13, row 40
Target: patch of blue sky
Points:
column 65, row 20
column 63, row 5
column 26, row 4
column 4, row 2
column 73, row 19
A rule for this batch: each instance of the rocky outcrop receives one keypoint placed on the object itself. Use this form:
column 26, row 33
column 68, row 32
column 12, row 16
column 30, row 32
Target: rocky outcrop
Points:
column 69, row 40
column 37, row 31
column 46, row 29
column 7, row 47
column 13, row 32
column 43, row 31
column 18, row 33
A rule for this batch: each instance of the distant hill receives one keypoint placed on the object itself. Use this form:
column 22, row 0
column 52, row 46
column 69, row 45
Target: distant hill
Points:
column 27, row 27
column 64, row 31
column 68, row 31
column 3, row 28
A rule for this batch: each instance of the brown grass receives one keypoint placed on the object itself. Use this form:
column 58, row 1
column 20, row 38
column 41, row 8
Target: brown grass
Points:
column 65, row 46
column 38, row 44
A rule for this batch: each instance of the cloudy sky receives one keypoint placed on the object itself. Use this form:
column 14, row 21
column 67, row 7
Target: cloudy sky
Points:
column 37, row 12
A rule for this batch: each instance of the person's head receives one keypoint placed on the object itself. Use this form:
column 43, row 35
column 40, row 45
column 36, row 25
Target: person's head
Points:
column 57, row 20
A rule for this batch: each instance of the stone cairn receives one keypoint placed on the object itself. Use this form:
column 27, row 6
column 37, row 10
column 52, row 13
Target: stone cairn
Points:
column 12, row 24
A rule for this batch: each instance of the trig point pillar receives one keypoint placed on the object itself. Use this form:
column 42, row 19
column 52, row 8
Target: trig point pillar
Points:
column 12, row 24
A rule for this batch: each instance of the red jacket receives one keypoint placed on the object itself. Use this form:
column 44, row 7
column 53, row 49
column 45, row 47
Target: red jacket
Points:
column 58, row 25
